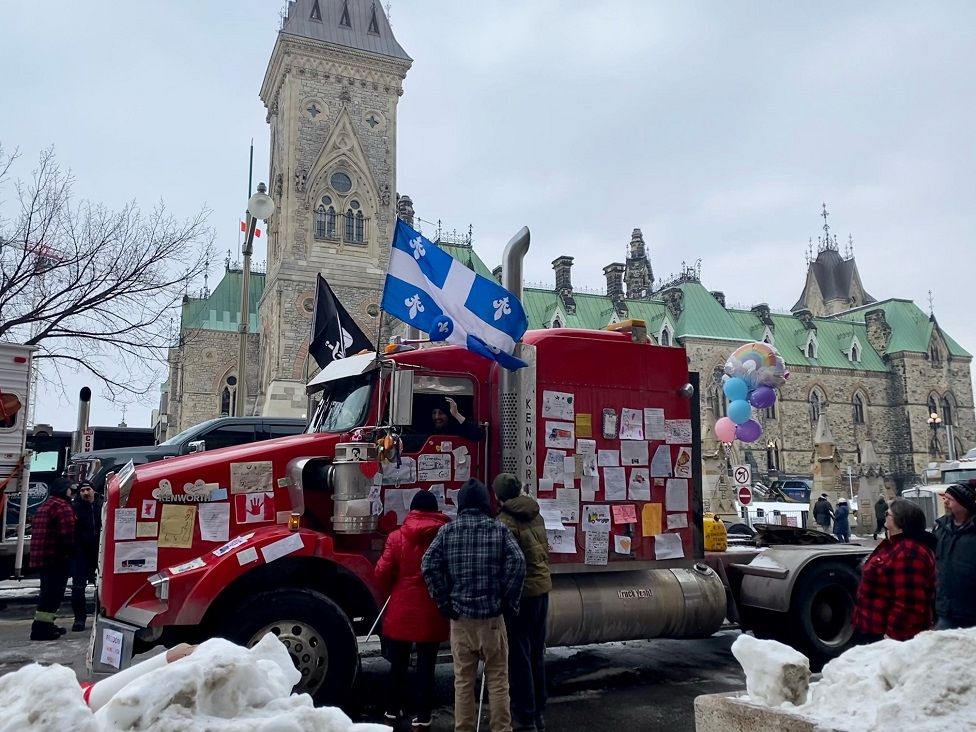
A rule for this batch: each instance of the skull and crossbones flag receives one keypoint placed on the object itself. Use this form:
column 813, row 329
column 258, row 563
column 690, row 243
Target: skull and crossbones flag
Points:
column 335, row 334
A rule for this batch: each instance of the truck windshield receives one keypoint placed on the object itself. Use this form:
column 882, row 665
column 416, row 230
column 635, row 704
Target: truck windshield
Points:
column 345, row 406
column 195, row 429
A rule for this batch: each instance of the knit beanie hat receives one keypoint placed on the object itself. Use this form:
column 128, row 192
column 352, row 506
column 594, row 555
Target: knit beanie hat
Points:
column 965, row 494
column 60, row 487
column 424, row 501
column 474, row 494
column 506, row 486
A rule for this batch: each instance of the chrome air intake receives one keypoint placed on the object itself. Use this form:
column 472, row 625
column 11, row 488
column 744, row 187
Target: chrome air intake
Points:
column 352, row 512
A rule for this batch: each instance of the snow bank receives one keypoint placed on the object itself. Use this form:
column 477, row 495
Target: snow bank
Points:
column 221, row 687
column 927, row 684
column 775, row 673
column 39, row 697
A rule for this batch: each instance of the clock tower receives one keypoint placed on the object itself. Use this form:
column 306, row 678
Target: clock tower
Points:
column 331, row 90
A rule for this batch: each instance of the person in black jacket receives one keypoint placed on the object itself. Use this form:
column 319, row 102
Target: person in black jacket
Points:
column 955, row 559
column 88, row 527
column 880, row 514
column 823, row 512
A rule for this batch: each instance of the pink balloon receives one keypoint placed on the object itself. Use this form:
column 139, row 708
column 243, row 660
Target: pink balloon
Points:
column 748, row 431
column 725, row 430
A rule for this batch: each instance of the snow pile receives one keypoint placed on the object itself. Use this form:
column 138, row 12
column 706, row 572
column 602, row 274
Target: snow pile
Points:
column 926, row 684
column 221, row 687
column 43, row 698
column 775, row 673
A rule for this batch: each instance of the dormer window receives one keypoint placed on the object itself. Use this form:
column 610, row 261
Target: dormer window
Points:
column 556, row 323
column 855, row 352
column 812, row 347
column 344, row 19
column 666, row 336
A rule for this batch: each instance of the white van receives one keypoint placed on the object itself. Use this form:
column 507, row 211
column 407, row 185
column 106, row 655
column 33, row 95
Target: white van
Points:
column 929, row 499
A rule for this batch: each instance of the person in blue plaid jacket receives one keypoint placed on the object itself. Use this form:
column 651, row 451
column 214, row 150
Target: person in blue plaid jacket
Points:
column 474, row 570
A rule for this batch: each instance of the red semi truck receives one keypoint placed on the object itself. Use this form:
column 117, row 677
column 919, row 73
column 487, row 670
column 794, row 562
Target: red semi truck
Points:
column 283, row 535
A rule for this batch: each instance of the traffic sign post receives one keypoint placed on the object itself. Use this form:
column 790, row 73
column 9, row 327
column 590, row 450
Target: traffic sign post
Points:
column 745, row 495
column 742, row 474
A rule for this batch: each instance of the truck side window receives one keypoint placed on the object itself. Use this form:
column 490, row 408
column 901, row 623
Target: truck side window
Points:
column 232, row 434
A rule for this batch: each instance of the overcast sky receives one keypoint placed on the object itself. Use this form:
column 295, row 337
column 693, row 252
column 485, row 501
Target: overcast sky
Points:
column 717, row 128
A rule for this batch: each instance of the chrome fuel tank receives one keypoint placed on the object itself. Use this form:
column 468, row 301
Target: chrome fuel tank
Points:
column 599, row 607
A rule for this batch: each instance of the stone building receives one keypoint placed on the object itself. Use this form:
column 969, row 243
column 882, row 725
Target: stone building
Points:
column 873, row 370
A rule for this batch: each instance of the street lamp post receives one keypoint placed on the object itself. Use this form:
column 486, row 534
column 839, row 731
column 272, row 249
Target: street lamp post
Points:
column 259, row 206
column 934, row 422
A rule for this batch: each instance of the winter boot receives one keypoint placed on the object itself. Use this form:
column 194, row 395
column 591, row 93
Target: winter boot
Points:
column 78, row 625
column 42, row 631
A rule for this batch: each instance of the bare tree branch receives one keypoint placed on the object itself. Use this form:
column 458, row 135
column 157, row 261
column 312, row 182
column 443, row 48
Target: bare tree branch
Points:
column 95, row 289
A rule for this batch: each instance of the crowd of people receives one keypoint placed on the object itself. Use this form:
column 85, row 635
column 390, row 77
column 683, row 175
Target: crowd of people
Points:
column 64, row 546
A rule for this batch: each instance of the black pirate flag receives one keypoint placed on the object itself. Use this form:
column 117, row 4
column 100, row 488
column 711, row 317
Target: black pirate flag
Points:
column 334, row 333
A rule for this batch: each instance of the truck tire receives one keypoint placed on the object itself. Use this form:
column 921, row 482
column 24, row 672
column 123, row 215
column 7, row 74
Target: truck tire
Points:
column 316, row 632
column 821, row 611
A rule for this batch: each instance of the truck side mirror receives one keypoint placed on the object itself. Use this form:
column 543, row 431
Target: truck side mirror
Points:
column 401, row 398
column 196, row 446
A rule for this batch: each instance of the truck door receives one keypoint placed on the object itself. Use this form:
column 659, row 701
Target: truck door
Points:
column 439, row 452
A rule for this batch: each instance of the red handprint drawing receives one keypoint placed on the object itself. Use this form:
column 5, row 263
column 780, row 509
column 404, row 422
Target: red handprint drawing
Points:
column 255, row 507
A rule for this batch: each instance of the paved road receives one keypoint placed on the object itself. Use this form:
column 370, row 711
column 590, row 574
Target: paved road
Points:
column 633, row 685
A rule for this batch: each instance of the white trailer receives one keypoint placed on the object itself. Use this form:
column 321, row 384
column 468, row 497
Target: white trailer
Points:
column 15, row 378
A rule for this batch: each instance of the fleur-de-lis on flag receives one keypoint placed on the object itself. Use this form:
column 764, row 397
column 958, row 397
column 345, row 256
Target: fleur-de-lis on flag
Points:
column 443, row 326
column 502, row 308
column 418, row 250
column 414, row 304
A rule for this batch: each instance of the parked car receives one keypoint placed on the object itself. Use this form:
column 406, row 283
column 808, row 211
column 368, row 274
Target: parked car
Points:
column 792, row 489
column 210, row 435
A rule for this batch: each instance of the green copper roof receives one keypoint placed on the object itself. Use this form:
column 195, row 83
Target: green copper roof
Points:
column 468, row 257
column 221, row 311
column 703, row 316
column 911, row 329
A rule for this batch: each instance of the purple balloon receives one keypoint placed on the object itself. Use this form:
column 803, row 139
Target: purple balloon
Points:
column 762, row 397
column 748, row 431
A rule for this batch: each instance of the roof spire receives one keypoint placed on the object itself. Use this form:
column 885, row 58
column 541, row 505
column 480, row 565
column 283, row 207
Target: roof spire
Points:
column 931, row 305
column 826, row 227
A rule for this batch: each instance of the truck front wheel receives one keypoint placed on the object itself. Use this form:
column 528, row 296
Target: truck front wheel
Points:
column 316, row 632
column 822, row 608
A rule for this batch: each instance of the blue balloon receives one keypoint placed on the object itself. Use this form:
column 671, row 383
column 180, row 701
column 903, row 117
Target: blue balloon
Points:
column 441, row 328
column 735, row 389
column 740, row 411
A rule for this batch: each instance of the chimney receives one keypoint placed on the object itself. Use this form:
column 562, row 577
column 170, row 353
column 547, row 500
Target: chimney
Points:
column 673, row 297
column 564, row 282
column 405, row 210
column 615, row 286
column 497, row 274
column 761, row 311
column 805, row 316
column 879, row 332
column 719, row 297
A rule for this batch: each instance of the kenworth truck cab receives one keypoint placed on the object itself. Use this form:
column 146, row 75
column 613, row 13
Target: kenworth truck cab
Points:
column 283, row 535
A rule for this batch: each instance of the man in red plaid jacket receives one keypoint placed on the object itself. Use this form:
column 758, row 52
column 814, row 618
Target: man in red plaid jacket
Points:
column 896, row 596
column 51, row 549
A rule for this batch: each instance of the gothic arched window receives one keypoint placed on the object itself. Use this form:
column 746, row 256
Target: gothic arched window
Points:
column 857, row 409
column 948, row 410
column 816, row 404
column 228, row 397
column 933, row 404
column 770, row 411
column 320, row 222
column 330, row 223
column 360, row 227
column 350, row 225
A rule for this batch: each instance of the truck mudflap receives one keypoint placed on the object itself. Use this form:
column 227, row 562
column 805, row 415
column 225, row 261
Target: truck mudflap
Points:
column 600, row 607
column 110, row 645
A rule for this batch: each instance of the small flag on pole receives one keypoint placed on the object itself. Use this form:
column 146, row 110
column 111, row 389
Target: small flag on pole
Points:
column 257, row 231
column 335, row 334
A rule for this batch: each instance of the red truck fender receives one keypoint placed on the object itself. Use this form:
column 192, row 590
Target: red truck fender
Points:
column 263, row 547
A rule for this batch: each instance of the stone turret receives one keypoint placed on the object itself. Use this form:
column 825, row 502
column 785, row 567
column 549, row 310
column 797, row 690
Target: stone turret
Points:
column 615, row 286
column 825, row 466
column 639, row 275
column 563, row 267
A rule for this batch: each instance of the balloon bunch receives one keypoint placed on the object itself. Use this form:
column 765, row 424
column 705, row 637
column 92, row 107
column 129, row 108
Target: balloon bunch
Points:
column 752, row 374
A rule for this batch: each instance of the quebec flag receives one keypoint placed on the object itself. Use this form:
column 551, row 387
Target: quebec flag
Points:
column 430, row 290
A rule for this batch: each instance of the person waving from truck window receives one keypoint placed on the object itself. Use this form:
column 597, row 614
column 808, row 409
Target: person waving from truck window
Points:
column 897, row 590
column 52, row 546
column 411, row 616
column 447, row 419
column 474, row 570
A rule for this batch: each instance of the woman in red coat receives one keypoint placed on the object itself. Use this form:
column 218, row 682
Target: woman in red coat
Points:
column 896, row 596
column 411, row 616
